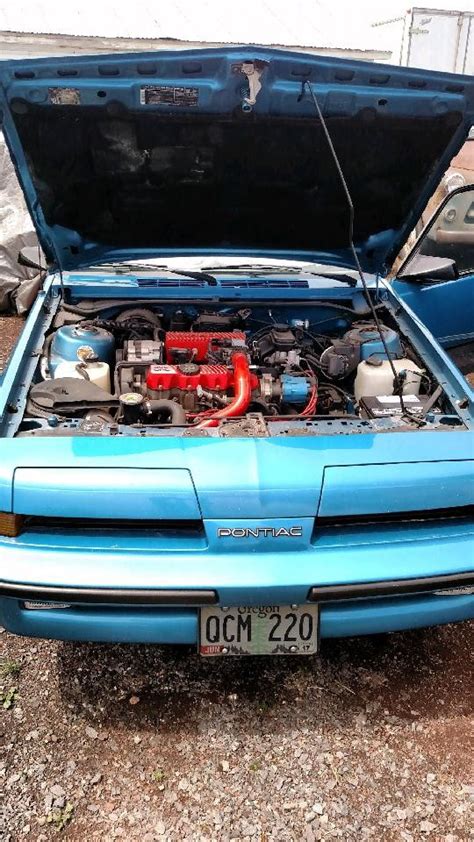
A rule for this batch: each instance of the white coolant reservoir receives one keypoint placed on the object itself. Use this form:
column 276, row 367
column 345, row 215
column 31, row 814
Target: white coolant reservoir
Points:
column 375, row 377
column 96, row 372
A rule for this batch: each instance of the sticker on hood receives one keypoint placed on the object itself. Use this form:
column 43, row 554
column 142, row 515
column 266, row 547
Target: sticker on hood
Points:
column 168, row 95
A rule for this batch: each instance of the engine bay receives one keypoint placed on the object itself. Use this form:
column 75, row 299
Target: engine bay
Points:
column 143, row 369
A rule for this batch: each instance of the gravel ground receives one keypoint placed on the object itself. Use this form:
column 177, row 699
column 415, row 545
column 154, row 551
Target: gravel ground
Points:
column 10, row 327
column 371, row 740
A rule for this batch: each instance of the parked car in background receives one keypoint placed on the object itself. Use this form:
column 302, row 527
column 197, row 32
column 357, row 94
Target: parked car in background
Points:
column 459, row 174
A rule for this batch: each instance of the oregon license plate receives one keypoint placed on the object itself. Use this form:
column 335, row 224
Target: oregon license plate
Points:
column 259, row 630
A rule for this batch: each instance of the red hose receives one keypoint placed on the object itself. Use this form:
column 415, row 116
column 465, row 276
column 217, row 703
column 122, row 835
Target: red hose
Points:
column 242, row 389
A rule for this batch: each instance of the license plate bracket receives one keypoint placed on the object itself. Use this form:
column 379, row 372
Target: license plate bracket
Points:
column 259, row 630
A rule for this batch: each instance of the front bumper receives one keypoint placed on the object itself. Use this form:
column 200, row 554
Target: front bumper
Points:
column 367, row 580
column 129, row 624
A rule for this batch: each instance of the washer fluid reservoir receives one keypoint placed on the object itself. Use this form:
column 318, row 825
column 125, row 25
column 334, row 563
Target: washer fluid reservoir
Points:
column 95, row 371
column 375, row 377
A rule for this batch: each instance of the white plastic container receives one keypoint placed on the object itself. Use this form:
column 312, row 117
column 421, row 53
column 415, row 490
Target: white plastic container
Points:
column 373, row 380
column 97, row 372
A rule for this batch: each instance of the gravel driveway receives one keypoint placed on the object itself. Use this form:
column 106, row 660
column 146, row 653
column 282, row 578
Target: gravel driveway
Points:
column 369, row 740
column 10, row 327
column 373, row 739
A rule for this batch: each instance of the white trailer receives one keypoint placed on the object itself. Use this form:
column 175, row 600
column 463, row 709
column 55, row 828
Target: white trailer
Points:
column 439, row 40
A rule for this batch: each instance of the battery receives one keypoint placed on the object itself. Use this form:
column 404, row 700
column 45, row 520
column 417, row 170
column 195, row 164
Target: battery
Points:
column 383, row 406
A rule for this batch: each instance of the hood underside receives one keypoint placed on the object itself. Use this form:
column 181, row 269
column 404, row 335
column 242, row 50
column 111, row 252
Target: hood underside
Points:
column 222, row 150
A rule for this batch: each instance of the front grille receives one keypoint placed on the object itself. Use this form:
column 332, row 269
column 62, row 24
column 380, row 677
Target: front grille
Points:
column 414, row 516
column 182, row 528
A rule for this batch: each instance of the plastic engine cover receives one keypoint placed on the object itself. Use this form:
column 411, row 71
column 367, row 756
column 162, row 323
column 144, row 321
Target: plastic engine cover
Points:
column 213, row 377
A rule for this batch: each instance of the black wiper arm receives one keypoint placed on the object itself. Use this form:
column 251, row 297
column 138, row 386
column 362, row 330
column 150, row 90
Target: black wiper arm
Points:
column 257, row 271
column 128, row 268
column 196, row 276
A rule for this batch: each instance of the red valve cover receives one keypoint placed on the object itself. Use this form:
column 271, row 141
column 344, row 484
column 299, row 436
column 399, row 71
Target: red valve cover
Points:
column 215, row 377
column 197, row 342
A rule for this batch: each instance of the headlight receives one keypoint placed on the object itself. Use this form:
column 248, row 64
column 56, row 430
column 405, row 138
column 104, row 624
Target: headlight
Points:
column 10, row 524
column 453, row 181
column 450, row 215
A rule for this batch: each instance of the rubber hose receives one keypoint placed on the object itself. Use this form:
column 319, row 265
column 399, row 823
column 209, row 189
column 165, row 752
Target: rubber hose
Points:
column 173, row 410
column 242, row 389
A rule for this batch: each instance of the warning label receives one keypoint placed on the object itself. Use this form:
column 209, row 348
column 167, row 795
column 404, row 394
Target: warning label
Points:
column 168, row 95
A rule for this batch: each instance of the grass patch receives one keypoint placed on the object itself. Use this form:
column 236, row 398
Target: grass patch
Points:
column 9, row 668
column 158, row 776
column 8, row 698
column 60, row 817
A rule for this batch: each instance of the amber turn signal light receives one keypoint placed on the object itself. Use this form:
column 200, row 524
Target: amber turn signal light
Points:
column 10, row 524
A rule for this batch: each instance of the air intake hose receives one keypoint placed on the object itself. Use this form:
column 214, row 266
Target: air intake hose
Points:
column 242, row 389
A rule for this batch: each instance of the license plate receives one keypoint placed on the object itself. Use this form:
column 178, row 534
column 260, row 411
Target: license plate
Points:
column 259, row 630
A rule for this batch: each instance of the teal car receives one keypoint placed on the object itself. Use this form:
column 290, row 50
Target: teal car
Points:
column 222, row 425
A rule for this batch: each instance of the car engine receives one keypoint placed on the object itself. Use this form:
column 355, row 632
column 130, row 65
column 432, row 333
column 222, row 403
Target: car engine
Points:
column 139, row 367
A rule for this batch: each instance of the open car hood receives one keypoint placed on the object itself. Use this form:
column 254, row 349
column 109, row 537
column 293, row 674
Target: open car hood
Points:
column 221, row 151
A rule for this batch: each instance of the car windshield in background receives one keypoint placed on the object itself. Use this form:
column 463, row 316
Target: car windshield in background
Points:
column 451, row 233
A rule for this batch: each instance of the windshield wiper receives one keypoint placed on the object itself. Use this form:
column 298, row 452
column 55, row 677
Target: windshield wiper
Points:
column 256, row 271
column 253, row 269
column 133, row 268
column 343, row 278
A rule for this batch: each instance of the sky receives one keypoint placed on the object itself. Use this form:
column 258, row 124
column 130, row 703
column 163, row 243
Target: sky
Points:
column 345, row 23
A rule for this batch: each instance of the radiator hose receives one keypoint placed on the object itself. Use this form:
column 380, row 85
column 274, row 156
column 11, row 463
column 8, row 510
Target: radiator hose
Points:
column 242, row 389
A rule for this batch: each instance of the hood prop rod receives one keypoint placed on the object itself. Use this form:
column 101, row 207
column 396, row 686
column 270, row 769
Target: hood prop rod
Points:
column 59, row 267
column 397, row 380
